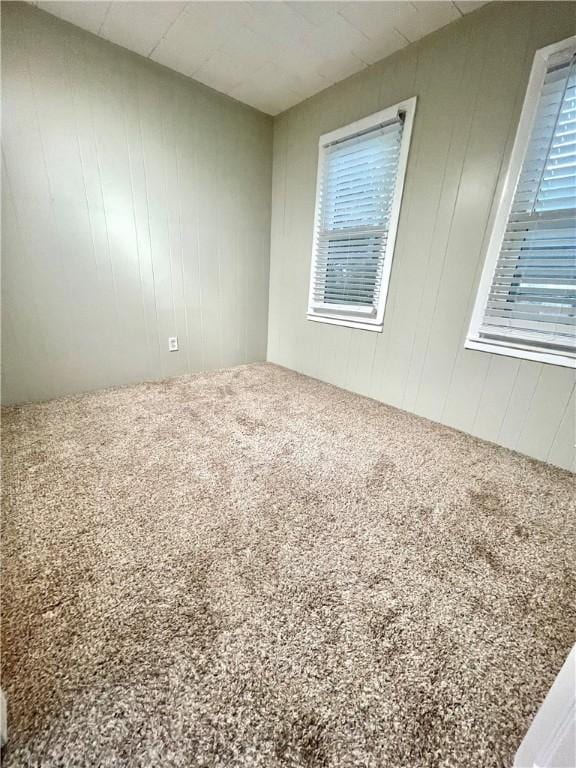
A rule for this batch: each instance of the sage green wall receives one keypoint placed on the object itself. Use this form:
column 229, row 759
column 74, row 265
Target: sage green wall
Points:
column 136, row 206
column 470, row 80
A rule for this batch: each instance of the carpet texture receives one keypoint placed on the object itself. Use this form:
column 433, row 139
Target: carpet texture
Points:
column 253, row 568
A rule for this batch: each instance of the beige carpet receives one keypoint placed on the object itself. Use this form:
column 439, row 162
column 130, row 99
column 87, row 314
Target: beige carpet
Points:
column 252, row 568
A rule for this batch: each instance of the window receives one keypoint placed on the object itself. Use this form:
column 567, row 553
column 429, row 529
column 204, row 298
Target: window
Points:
column 361, row 172
column 526, row 303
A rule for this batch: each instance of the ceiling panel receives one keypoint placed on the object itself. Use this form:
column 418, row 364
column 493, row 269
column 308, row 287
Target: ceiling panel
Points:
column 139, row 26
column 270, row 89
column 268, row 54
column 431, row 16
column 316, row 12
column 334, row 37
column 190, row 42
column 378, row 46
column 220, row 71
column 410, row 20
column 89, row 16
column 277, row 21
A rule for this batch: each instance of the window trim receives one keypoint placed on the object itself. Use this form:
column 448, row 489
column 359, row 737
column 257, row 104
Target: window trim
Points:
column 374, row 323
column 503, row 208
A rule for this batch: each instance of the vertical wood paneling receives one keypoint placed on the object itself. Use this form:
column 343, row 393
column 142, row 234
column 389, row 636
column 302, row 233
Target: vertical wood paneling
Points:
column 561, row 452
column 504, row 53
column 439, row 78
column 136, row 207
column 470, row 79
column 518, row 404
column 548, row 406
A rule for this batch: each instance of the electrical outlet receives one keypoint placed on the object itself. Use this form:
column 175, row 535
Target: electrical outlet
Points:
column 173, row 343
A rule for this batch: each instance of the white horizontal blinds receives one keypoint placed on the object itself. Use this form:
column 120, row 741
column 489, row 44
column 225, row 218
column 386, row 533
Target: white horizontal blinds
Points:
column 533, row 294
column 357, row 183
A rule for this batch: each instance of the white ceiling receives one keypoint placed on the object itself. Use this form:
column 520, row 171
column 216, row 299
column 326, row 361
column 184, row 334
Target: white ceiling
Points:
column 270, row 55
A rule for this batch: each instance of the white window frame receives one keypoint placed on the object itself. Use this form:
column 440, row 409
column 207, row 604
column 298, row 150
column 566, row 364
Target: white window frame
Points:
column 365, row 320
column 509, row 347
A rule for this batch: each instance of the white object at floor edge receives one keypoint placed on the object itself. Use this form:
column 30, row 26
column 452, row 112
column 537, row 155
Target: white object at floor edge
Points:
column 551, row 738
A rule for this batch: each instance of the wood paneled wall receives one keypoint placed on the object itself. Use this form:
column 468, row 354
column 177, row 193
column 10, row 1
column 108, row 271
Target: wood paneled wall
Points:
column 470, row 80
column 136, row 206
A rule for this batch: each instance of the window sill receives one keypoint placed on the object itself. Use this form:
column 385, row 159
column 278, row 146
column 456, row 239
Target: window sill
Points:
column 349, row 323
column 525, row 353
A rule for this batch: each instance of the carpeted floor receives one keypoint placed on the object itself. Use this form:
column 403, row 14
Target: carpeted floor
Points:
column 252, row 568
